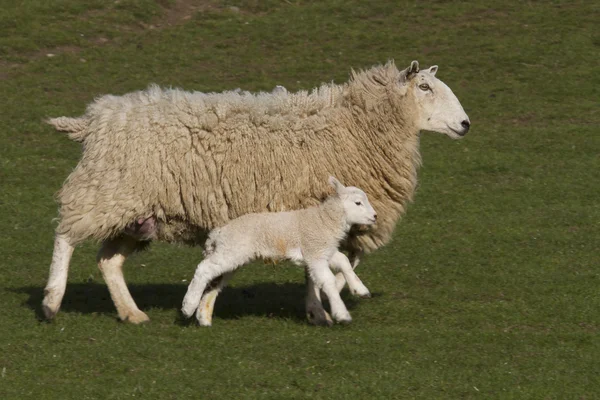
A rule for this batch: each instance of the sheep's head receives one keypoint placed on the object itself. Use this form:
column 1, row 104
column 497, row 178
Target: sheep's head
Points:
column 356, row 205
column 423, row 99
column 437, row 108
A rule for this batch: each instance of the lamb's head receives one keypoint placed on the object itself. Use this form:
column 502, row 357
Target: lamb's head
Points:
column 437, row 108
column 356, row 205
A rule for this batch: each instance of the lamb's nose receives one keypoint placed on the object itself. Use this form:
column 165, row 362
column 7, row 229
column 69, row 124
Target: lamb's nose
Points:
column 375, row 216
column 466, row 124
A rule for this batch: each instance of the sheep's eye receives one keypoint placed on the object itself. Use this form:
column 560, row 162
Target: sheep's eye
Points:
column 424, row 87
column 358, row 203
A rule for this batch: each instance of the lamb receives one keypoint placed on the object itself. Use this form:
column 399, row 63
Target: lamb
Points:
column 184, row 163
column 310, row 236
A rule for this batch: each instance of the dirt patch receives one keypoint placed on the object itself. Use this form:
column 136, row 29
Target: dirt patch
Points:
column 172, row 14
column 525, row 119
column 184, row 10
column 49, row 53
column 6, row 69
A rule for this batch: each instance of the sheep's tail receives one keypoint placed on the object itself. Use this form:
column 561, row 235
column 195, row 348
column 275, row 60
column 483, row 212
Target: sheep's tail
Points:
column 75, row 127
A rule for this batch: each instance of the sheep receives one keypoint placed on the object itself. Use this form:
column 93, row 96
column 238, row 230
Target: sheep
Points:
column 310, row 236
column 187, row 162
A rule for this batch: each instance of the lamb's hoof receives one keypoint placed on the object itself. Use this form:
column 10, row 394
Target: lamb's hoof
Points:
column 343, row 319
column 363, row 293
column 319, row 318
column 203, row 319
column 136, row 317
column 188, row 310
column 49, row 312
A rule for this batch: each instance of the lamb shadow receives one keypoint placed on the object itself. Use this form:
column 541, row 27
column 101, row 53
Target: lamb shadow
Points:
column 271, row 300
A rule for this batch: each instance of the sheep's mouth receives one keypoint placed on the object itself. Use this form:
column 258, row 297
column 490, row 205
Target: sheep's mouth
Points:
column 459, row 133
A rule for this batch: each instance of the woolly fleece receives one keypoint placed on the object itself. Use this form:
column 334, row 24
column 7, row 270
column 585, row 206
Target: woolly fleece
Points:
column 196, row 160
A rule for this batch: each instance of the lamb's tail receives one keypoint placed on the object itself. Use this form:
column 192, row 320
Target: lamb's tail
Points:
column 211, row 243
column 75, row 127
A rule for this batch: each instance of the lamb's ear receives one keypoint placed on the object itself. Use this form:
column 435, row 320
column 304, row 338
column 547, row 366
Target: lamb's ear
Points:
column 336, row 184
column 433, row 69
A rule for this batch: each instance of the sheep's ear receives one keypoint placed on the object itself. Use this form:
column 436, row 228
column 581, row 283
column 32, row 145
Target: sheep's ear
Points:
column 336, row 184
column 433, row 69
column 413, row 69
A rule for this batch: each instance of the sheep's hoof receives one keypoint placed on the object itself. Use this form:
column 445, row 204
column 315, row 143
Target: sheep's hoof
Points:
column 136, row 317
column 50, row 310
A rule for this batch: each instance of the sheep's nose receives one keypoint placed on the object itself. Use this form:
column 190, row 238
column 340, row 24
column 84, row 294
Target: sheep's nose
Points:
column 375, row 216
column 466, row 125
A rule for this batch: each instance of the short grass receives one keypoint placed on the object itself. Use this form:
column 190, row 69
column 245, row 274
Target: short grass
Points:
column 490, row 288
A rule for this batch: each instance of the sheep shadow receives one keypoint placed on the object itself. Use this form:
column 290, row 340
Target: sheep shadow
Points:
column 271, row 300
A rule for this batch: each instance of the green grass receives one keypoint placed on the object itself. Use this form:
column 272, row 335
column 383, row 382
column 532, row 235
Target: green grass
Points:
column 490, row 288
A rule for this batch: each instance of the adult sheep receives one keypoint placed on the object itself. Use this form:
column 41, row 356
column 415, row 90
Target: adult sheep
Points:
column 171, row 165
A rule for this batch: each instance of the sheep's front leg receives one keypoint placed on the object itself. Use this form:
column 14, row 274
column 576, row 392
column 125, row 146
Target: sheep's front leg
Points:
column 111, row 257
column 205, row 310
column 57, row 281
column 339, row 262
column 315, row 312
column 323, row 277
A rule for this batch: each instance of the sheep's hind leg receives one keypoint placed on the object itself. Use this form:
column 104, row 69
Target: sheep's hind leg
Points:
column 339, row 262
column 111, row 257
column 57, row 280
column 205, row 311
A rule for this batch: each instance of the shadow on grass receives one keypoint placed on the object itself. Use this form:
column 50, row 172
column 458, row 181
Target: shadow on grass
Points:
column 270, row 300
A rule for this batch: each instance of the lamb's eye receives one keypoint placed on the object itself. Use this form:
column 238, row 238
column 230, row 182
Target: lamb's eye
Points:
column 358, row 203
column 425, row 87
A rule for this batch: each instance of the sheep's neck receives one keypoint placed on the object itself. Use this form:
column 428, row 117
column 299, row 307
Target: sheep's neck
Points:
column 392, row 141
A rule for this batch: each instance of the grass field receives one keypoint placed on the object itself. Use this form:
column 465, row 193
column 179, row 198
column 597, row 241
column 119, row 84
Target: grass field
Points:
column 489, row 290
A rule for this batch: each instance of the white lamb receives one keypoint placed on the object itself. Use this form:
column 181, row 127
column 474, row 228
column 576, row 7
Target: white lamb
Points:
column 309, row 236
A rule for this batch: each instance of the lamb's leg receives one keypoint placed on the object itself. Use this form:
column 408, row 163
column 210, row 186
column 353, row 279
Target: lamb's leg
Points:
column 206, row 271
column 339, row 262
column 340, row 280
column 57, row 281
column 207, row 304
column 323, row 277
column 315, row 312
column 111, row 257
